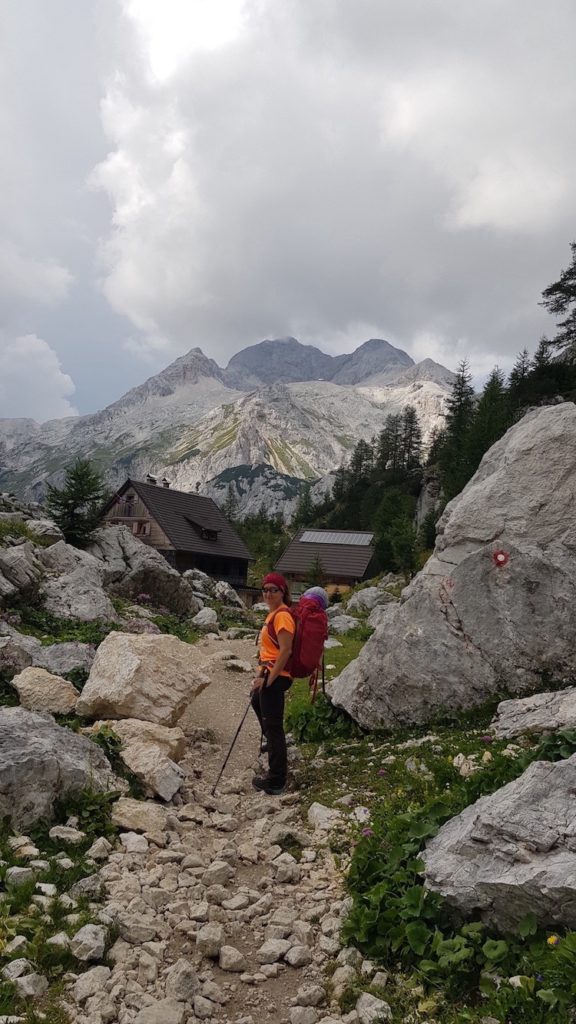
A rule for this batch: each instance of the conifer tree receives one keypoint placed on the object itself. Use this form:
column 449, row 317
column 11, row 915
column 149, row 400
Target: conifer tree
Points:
column 230, row 506
column 77, row 506
column 559, row 299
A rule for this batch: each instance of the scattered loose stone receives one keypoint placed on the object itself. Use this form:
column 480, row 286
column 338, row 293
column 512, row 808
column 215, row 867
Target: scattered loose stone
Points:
column 31, row 986
column 67, row 835
column 210, row 940
column 163, row 1011
column 90, row 983
column 89, row 943
column 232, row 959
column 371, row 1010
column 272, row 951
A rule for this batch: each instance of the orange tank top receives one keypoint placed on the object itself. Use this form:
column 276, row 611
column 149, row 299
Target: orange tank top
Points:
column 268, row 650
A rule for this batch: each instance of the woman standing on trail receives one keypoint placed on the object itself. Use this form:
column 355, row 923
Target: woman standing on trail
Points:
column 273, row 680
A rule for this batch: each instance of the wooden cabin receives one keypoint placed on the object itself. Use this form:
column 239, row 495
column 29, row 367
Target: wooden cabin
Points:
column 188, row 529
column 345, row 557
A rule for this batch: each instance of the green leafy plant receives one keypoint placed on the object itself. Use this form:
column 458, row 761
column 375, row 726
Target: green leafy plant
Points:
column 396, row 920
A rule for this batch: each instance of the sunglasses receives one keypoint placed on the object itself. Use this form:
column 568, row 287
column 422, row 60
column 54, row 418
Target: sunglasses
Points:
column 270, row 590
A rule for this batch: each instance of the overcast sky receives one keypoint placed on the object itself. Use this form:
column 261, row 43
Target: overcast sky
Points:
column 178, row 173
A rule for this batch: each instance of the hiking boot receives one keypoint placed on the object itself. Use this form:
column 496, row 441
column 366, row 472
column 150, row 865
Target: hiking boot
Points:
column 268, row 787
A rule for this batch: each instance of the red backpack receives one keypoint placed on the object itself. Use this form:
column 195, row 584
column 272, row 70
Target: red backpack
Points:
column 308, row 648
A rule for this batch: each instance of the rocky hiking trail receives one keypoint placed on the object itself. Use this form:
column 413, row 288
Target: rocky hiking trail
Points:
column 214, row 917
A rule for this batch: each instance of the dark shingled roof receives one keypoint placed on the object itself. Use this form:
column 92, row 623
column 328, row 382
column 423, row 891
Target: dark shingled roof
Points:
column 339, row 560
column 177, row 511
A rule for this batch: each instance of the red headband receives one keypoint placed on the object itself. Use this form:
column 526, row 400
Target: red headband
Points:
column 276, row 580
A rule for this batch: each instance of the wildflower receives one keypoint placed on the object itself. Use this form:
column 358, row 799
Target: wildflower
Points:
column 487, row 739
column 553, row 940
column 367, row 832
column 539, row 977
column 143, row 598
column 382, row 771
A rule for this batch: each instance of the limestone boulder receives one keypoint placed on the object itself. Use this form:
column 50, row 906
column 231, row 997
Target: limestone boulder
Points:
column 341, row 624
column 513, row 852
column 14, row 657
column 39, row 690
column 206, row 618
column 153, row 678
column 46, row 530
column 494, row 605
column 26, row 650
column 130, row 568
column 151, row 751
column 382, row 614
column 20, row 571
column 367, row 599
column 78, row 595
column 171, row 742
column 42, row 762
column 66, row 657
column 539, row 714
column 227, row 595
column 139, row 815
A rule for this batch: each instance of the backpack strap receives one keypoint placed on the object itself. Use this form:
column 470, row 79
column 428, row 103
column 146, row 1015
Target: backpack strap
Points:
column 272, row 629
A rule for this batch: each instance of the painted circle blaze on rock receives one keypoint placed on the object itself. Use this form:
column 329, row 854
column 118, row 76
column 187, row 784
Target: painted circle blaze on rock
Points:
column 153, row 678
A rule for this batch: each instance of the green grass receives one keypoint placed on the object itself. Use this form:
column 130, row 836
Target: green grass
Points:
column 50, row 629
column 16, row 528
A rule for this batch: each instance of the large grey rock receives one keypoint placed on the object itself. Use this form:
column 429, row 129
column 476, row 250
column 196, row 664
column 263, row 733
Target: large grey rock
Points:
column 20, row 571
column 154, row 678
column 41, row 762
column 227, row 595
column 467, row 625
column 78, row 595
column 57, row 658
column 45, row 529
column 513, row 852
column 63, row 658
column 206, row 618
column 130, row 567
column 62, row 558
column 14, row 656
column 382, row 614
column 367, row 599
column 540, row 713
column 341, row 624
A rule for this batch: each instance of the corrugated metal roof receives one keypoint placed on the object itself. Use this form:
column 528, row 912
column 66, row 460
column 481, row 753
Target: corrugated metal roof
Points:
column 336, row 537
column 348, row 561
column 176, row 511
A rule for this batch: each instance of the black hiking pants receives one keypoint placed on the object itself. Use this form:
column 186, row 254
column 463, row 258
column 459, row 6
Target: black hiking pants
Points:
column 268, row 703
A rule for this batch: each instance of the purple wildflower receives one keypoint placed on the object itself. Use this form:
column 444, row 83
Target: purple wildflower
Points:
column 367, row 832
column 382, row 771
column 487, row 739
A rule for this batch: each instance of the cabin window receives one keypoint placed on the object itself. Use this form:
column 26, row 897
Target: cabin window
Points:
column 128, row 505
column 209, row 534
column 141, row 529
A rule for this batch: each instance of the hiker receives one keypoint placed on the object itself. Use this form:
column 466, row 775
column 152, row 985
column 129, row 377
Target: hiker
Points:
column 274, row 679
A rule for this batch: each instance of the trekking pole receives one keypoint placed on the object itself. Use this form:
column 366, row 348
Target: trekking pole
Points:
column 232, row 745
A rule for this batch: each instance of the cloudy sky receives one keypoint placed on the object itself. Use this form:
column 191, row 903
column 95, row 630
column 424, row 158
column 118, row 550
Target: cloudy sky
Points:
column 214, row 172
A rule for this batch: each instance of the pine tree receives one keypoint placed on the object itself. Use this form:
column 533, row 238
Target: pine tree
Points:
column 389, row 444
column 411, row 442
column 230, row 506
column 77, row 506
column 491, row 420
column 559, row 299
column 519, row 380
column 455, row 461
column 305, row 509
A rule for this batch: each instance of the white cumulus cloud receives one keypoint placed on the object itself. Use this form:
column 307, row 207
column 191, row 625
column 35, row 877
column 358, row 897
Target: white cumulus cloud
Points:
column 32, row 382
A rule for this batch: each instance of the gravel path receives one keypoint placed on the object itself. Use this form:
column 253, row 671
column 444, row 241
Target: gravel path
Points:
column 214, row 920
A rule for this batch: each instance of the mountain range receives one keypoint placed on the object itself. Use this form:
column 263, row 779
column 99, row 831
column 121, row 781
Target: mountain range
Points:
column 281, row 413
